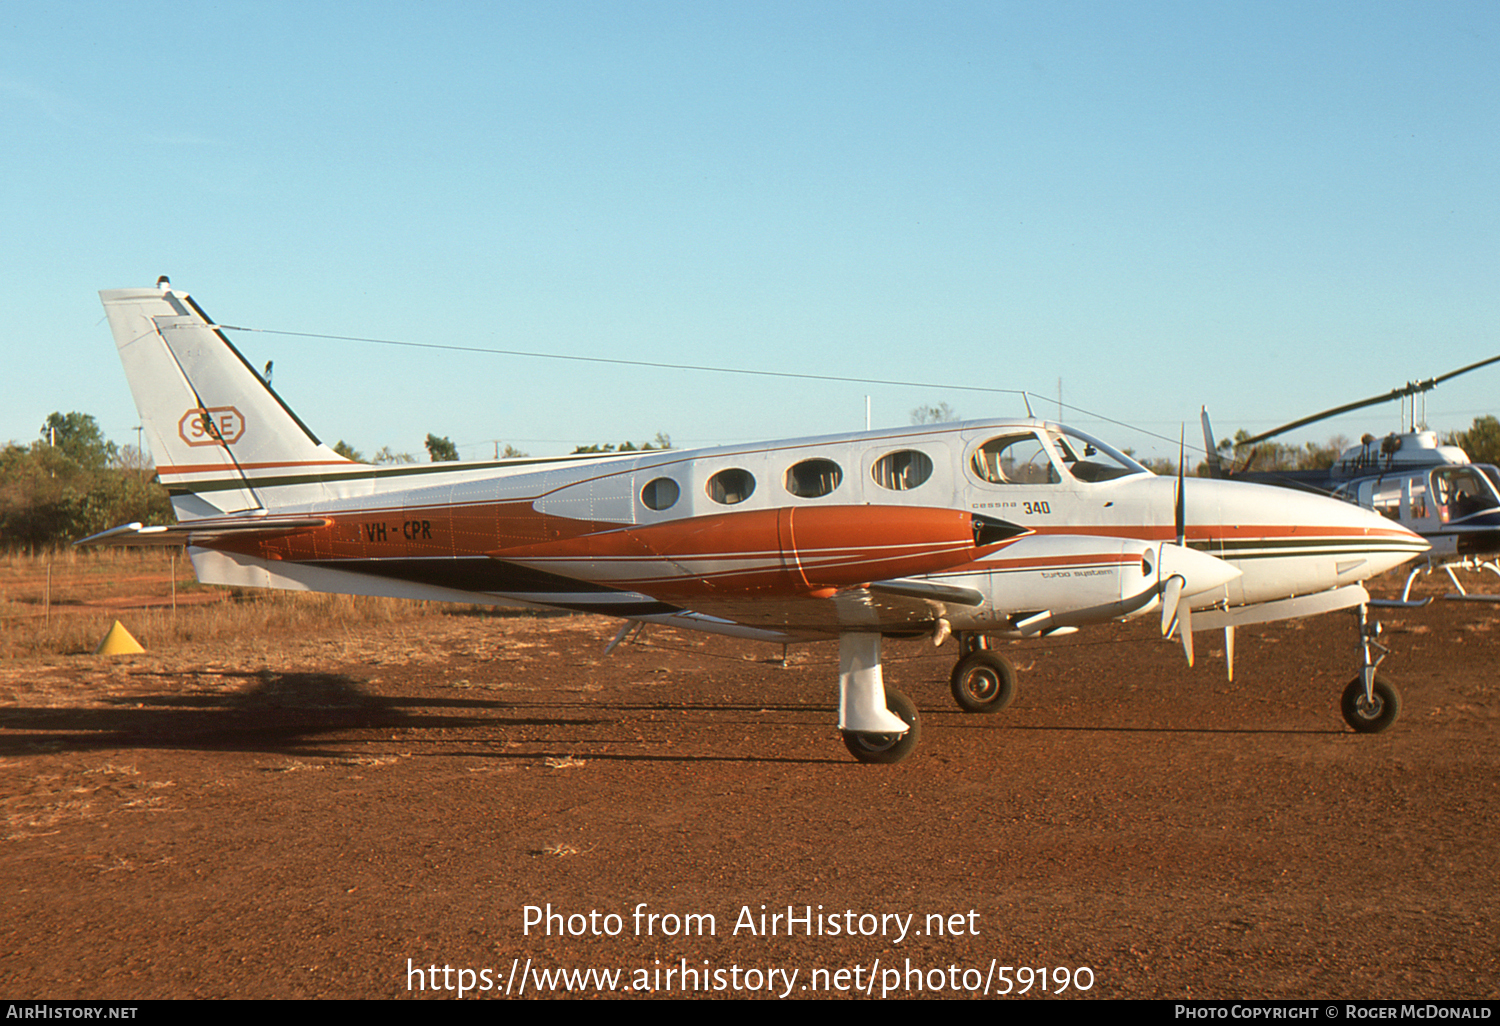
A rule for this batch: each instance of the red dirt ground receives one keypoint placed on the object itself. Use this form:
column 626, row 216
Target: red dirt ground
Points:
column 315, row 817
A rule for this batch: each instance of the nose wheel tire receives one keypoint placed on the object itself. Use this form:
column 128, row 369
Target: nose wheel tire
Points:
column 983, row 682
column 1371, row 717
column 887, row 748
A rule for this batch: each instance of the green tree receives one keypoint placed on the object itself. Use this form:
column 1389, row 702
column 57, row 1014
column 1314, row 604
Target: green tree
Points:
column 441, row 449
column 53, row 494
column 662, row 441
column 385, row 455
column 1270, row 455
column 1481, row 442
column 348, row 451
column 78, row 436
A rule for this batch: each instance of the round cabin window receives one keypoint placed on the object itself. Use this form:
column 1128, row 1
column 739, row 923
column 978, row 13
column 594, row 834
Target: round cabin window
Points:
column 902, row 470
column 729, row 487
column 813, row 479
column 661, row 493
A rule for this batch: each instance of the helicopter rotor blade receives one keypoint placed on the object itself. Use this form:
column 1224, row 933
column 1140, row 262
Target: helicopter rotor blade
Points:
column 1410, row 388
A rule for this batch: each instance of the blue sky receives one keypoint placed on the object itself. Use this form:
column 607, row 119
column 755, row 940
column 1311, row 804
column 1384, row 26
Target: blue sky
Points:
column 1266, row 208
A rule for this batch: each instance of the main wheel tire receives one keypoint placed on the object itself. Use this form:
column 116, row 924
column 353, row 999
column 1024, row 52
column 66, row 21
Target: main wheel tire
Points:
column 887, row 748
column 1371, row 717
column 983, row 682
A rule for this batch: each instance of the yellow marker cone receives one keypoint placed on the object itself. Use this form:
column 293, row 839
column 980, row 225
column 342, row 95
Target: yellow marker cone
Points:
column 118, row 642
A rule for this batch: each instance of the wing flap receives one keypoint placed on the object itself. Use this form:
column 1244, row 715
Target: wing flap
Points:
column 903, row 606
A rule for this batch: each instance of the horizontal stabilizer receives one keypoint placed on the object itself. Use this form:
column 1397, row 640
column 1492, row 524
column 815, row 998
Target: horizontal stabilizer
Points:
column 199, row 531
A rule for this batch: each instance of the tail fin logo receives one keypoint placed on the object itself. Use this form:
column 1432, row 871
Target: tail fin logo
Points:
column 214, row 425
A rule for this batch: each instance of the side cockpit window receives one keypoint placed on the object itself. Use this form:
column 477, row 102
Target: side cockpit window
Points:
column 1014, row 459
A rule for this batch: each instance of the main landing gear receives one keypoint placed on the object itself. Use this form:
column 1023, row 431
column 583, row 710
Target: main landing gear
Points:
column 879, row 725
column 878, row 747
column 1370, row 703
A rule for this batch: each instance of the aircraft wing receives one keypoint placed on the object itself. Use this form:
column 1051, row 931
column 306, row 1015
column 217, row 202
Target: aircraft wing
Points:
column 889, row 607
column 1346, row 597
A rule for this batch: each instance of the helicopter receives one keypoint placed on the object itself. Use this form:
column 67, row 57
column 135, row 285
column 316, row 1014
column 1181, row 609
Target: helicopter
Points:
column 1407, row 477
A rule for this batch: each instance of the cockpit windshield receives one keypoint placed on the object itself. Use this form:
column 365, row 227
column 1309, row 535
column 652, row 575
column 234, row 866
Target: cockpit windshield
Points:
column 1089, row 459
column 1022, row 457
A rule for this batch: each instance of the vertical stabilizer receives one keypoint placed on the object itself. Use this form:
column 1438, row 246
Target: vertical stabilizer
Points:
column 219, row 435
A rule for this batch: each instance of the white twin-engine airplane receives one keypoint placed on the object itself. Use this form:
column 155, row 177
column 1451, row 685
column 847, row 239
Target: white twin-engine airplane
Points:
column 1010, row 528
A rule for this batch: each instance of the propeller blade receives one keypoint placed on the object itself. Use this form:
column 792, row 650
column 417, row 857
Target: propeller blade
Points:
column 1185, row 629
column 1180, row 515
column 1171, row 592
column 1229, row 650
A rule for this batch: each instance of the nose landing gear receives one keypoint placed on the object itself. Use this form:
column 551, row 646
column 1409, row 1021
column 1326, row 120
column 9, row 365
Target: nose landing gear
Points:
column 1370, row 703
column 983, row 681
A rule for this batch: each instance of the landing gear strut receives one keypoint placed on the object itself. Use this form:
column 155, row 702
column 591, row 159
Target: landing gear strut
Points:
column 983, row 681
column 1370, row 703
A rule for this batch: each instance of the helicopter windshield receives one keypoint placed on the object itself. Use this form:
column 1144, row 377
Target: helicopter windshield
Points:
column 1463, row 491
column 1492, row 472
column 1089, row 459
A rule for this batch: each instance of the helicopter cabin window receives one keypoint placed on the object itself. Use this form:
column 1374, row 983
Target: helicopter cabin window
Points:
column 661, row 493
column 1418, row 500
column 1385, row 501
column 812, row 479
column 730, row 487
column 902, row 470
column 1014, row 459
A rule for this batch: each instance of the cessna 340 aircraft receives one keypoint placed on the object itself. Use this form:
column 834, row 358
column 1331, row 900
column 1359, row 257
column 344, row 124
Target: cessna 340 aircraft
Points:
column 1013, row 528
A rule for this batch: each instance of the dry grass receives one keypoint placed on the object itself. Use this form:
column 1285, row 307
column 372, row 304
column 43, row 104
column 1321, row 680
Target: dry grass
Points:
column 563, row 849
column 63, row 603
column 48, row 800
